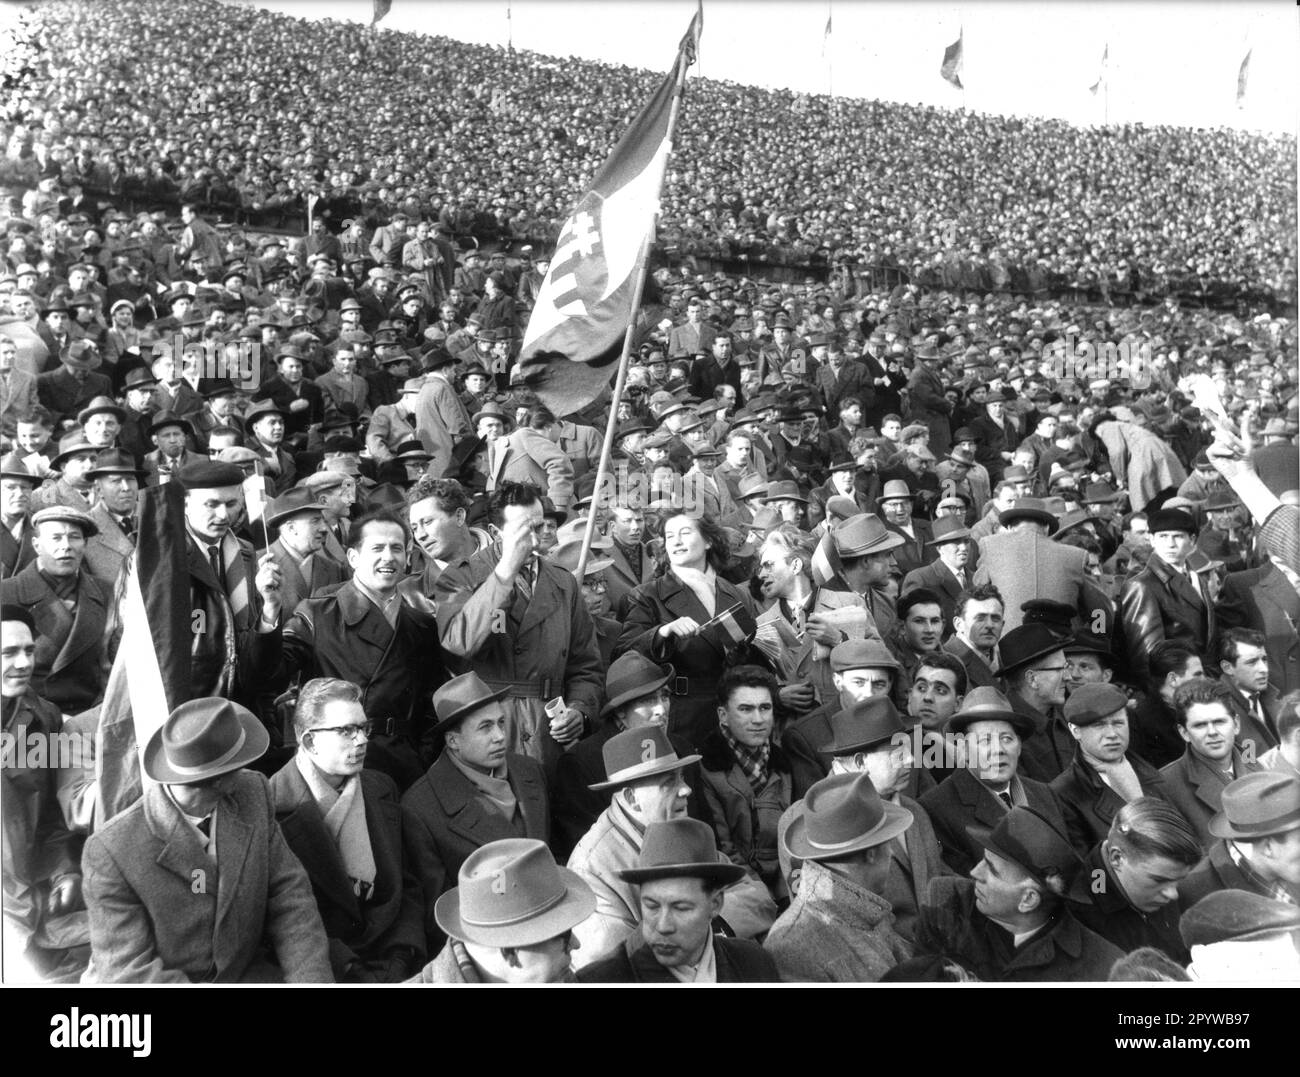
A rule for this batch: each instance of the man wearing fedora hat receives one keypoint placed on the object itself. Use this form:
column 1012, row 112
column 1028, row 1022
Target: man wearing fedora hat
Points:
column 440, row 417
column 42, row 873
column 65, row 391
column 100, row 421
column 638, row 692
column 838, row 927
column 1032, row 666
column 171, row 437
column 680, row 885
column 476, row 792
column 1166, row 600
column 950, row 574
column 1011, row 921
column 966, row 805
column 73, row 488
column 1023, row 563
column 16, row 485
column 69, row 607
column 865, row 548
column 298, row 547
column 897, row 503
column 343, row 822
column 510, row 918
column 1255, row 842
column 267, row 423
column 221, row 409
column 1104, row 774
column 194, row 883
column 645, row 776
column 117, row 486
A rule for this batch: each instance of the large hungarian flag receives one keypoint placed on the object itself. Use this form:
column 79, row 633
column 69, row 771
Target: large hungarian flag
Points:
column 381, row 9
column 150, row 673
column 951, row 67
column 574, row 337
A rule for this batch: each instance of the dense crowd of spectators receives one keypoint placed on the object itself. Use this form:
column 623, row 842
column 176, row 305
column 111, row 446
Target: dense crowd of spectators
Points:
column 500, row 143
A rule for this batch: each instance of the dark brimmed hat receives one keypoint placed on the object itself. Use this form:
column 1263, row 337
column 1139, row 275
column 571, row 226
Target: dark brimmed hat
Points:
column 949, row 529
column 681, row 848
column 291, row 503
column 101, row 404
column 204, row 738
column 867, row 724
column 115, row 462
column 12, row 466
column 81, row 355
column 70, row 445
column 840, row 815
column 459, row 698
column 637, row 754
column 160, row 419
column 512, row 893
column 631, row 676
column 1033, row 841
column 1029, row 508
column 1027, row 643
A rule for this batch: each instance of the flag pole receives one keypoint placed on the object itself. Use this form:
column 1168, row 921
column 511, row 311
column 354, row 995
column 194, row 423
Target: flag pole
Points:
column 607, row 448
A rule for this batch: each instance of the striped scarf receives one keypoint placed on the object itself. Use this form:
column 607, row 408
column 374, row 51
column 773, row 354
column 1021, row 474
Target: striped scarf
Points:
column 239, row 591
column 753, row 761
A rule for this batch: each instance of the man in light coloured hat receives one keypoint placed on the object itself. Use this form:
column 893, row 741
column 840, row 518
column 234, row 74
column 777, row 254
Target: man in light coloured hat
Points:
column 646, row 776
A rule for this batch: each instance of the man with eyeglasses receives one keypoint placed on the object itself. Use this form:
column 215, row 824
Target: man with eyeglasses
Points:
column 1032, row 659
column 343, row 822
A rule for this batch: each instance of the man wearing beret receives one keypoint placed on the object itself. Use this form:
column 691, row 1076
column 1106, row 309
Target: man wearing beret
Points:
column 1104, row 774
column 194, row 883
column 69, row 608
column 1167, row 599
column 343, row 821
column 970, row 802
column 476, row 792
column 679, row 883
column 1011, row 921
column 510, row 918
column 1256, row 842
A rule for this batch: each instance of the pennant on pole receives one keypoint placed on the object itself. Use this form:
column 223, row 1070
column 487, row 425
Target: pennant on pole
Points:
column 151, row 670
column 951, row 68
column 381, row 9
column 573, row 341
column 826, row 34
column 1243, row 74
column 1101, row 75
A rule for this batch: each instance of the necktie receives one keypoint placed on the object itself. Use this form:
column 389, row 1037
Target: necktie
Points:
column 525, row 581
column 214, row 559
column 1005, row 797
column 205, row 826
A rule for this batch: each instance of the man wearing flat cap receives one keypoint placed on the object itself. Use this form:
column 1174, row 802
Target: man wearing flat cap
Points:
column 1011, row 920
column 645, row 777
column 838, row 928
column 969, row 803
column 679, row 883
column 343, row 821
column 1023, row 563
column 1166, row 600
column 476, row 792
column 69, row 608
column 194, row 883
column 1104, row 775
column 510, row 918
column 117, row 487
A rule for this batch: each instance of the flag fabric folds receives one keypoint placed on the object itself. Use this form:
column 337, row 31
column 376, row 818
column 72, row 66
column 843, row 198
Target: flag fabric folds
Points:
column 382, row 8
column 151, row 670
column 1101, row 75
column 574, row 337
column 952, row 62
column 1243, row 74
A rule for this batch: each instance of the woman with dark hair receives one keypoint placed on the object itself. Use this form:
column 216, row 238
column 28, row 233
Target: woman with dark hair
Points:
column 672, row 619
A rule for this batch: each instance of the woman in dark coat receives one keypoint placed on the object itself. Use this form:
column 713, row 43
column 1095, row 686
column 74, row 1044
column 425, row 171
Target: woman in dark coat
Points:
column 664, row 619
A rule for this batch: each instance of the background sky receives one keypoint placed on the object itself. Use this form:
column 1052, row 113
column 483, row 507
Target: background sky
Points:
column 1169, row 62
